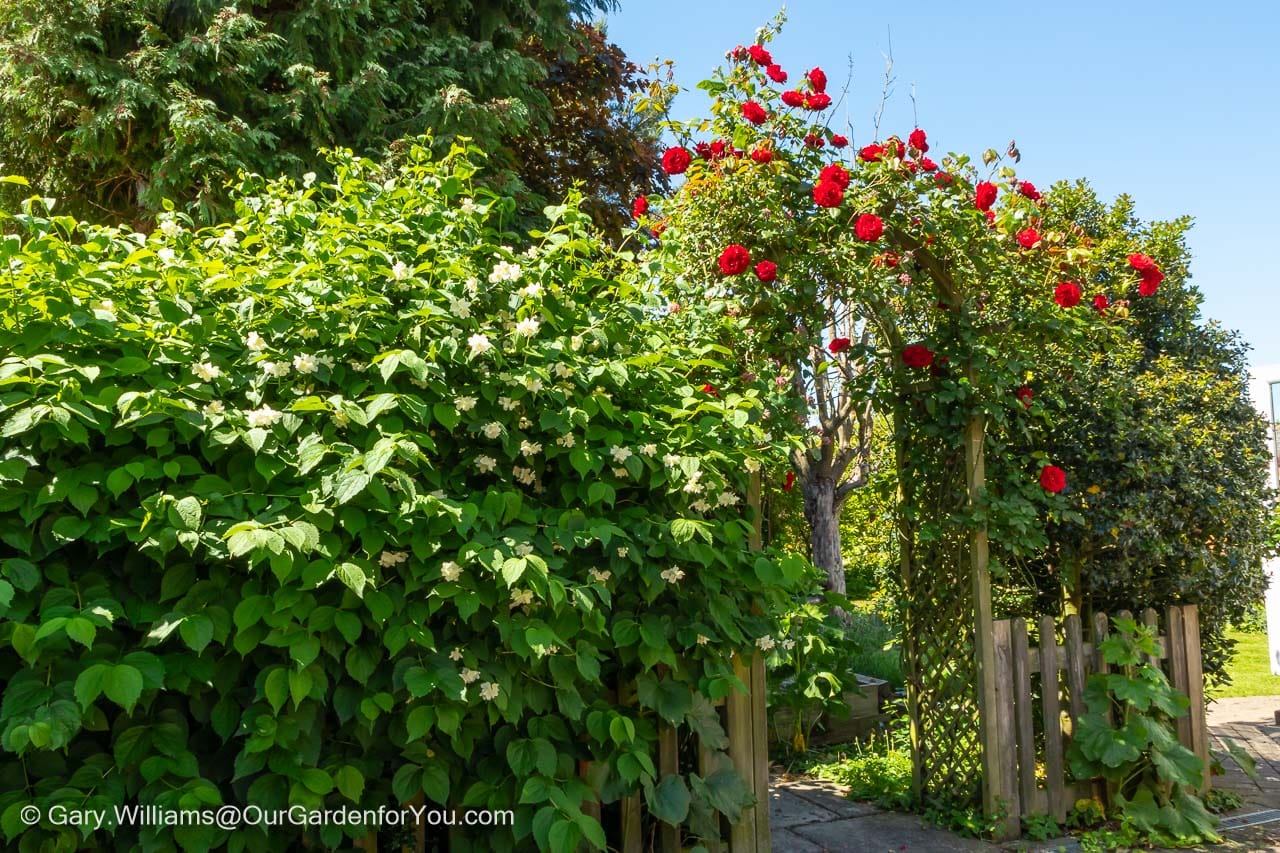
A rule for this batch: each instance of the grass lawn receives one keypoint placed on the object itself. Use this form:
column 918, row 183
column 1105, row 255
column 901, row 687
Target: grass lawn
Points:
column 1250, row 668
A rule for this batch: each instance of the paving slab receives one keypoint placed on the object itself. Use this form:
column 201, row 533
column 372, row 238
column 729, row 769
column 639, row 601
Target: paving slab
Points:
column 885, row 832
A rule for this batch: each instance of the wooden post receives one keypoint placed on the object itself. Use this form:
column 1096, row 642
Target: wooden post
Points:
column 1053, row 769
column 1024, row 718
column 668, row 765
column 1177, row 656
column 1195, row 688
column 1007, row 756
column 705, row 768
column 420, row 829
column 1075, row 669
column 737, row 706
column 1152, row 621
column 760, row 748
column 631, row 824
column 1101, row 629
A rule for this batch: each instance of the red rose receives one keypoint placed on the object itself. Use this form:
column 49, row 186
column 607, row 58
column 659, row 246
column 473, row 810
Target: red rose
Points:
column 820, row 101
column 836, row 174
column 739, row 53
column 895, row 145
column 838, row 141
column 766, row 271
column 813, row 140
column 1150, row 281
column 827, row 194
column 1029, row 190
column 734, row 259
column 1142, row 263
column 868, row 227
column 818, row 78
column 1067, row 294
column 985, row 195
column 871, row 153
column 762, row 155
column 754, row 113
column 716, row 150
column 919, row 140
column 759, row 55
column 793, row 98
column 1025, row 395
column 886, row 259
column 676, row 160
column 640, row 206
column 790, row 482
column 928, row 165
column 776, row 74
column 1101, row 302
column 1053, row 479
column 943, row 179
column 991, row 217
column 1028, row 237
column 839, row 345
column 917, row 355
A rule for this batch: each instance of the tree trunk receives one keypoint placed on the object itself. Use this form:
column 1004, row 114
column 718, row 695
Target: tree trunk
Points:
column 822, row 513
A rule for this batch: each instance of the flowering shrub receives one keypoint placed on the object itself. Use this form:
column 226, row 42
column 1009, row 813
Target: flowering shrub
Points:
column 350, row 500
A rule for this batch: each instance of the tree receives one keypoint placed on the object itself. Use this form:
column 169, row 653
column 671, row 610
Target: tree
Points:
column 114, row 107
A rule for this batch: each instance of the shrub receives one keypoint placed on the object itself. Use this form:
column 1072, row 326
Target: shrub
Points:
column 349, row 501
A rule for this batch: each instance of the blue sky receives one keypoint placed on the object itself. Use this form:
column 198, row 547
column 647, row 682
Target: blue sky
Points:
column 1176, row 103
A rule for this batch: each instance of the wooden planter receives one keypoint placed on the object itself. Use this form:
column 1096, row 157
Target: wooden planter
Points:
column 864, row 704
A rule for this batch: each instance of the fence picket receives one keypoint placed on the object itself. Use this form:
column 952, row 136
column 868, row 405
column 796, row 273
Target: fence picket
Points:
column 1075, row 668
column 1195, row 688
column 1023, row 717
column 1052, row 719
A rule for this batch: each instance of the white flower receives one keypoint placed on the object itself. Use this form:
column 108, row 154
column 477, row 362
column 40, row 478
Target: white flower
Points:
column 400, row 271
column 764, row 643
column 264, row 417
column 508, row 404
column 532, row 384
column 703, row 639
column 620, row 454
column 472, row 284
column 727, row 499
column 340, row 418
column 530, row 448
column 214, row 407
column 553, row 649
column 531, row 291
column 493, row 429
column 566, row 440
column 464, row 404
column 504, row 271
column 672, row 575
column 489, row 691
column 670, row 460
column 621, row 473
column 255, row 342
column 206, row 371
column 275, row 368
column 479, row 344
column 527, row 327
column 700, row 506
column 469, row 676
column 456, row 654
column 524, row 476
column 524, row 423
column 622, row 552
column 485, row 464
column 460, row 308
column 392, row 558
column 788, row 644
column 693, row 487
column 752, row 465
column 468, row 206
column 524, row 549
column 166, row 255
column 228, row 240
column 531, row 252
column 650, row 450
column 304, row 363
column 107, row 305
column 308, row 333
column 576, row 342
column 563, row 371
column 170, row 228
column 521, row 597
column 450, row 571
column 599, row 576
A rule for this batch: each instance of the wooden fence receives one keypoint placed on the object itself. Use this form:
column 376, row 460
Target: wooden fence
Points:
column 1032, row 741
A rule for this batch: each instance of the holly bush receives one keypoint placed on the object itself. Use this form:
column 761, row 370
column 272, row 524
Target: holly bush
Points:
column 349, row 500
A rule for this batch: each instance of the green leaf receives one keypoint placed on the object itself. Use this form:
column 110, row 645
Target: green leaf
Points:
column 89, row 684
column 70, row 528
column 350, row 782
column 185, row 514
column 276, row 688
column 122, row 684
column 196, row 631
column 522, row 756
column 81, row 630
column 353, row 576
column 23, row 573
column 349, row 484
column 669, row 800
column 316, row 780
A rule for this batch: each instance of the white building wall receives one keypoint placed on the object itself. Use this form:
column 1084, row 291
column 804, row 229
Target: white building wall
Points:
column 1260, row 380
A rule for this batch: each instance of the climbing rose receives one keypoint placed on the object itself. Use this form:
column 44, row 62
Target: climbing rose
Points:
column 827, row 194
column 1025, row 394
column 928, row 165
column 917, row 355
column 991, row 217
column 820, row 101
column 1053, row 479
column 1150, row 281
column 1142, row 263
column 813, row 140
column 640, row 206
column 759, row 55
column 985, row 195
column 734, row 259
column 1028, row 237
column 766, row 271
column 762, row 155
column 839, row 345
column 895, row 145
column 1029, row 190
column 710, row 389
column 793, row 98
column 1066, row 294
column 835, row 174
column 871, row 153
column 754, row 113
column 819, row 79
column 868, row 227
column 919, row 140
column 1101, row 302
column 790, row 481
column 776, row 74
column 676, row 160
column 739, row 53
column 839, row 141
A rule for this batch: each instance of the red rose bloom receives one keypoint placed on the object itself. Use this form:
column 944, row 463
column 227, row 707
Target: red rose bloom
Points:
column 717, row 150
column 776, row 74
column 919, row 140
column 871, row 153
column 943, row 179
column 917, row 355
column 868, row 227
column 839, row 345
column 818, row 79
column 754, row 113
column 1025, row 395
column 1142, row 263
column 766, row 271
column 640, row 206
column 928, row 165
column 813, row 140
column 710, row 389
column 793, row 98
column 827, row 194
column 985, row 195
column 734, row 259
column 676, row 160
column 839, row 141
column 759, row 55
column 991, row 217
column 739, row 53
column 1028, row 237
column 895, row 145
column 1101, row 302
column 1150, row 281
column 836, row 174
column 790, row 482
column 1053, row 479
column 1067, row 294
column 762, row 155
column 820, row 101
column 1029, row 190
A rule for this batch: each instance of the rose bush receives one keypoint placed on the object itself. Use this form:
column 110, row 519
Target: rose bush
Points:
column 360, row 497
